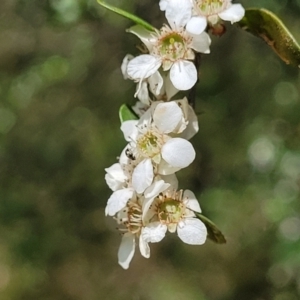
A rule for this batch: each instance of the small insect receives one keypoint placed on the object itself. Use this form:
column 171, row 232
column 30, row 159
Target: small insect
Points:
column 129, row 154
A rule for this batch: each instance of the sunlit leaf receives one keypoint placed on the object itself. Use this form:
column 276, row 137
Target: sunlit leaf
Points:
column 127, row 15
column 126, row 113
column 270, row 28
column 213, row 232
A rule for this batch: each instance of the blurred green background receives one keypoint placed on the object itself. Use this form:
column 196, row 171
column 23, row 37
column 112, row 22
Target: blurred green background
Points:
column 61, row 87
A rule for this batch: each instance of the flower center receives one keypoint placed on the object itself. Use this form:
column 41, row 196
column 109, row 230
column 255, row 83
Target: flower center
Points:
column 212, row 7
column 170, row 211
column 149, row 144
column 172, row 45
column 131, row 218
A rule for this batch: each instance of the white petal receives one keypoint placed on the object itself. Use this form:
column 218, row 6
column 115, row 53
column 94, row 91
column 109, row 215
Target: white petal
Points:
column 151, row 192
column 170, row 88
column 155, row 83
column 183, row 104
column 126, row 250
column 144, row 247
column 233, row 14
column 192, row 202
column 196, row 25
column 142, row 93
column 115, row 177
column 124, row 65
column 167, row 116
column 142, row 175
column 154, row 232
column 129, row 130
column 117, row 201
column 166, row 169
column 201, row 43
column 155, row 188
column 171, row 179
column 143, row 66
column 142, row 33
column 192, row 127
column 146, row 118
column 193, row 231
column 178, row 152
column 178, row 13
column 183, row 75
column 163, row 4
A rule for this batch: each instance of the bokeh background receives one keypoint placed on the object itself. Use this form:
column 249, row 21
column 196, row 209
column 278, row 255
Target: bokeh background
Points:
column 61, row 87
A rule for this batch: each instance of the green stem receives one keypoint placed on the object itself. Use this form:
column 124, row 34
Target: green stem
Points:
column 127, row 15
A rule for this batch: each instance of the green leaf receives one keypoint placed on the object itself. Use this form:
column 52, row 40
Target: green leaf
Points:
column 127, row 15
column 213, row 232
column 126, row 113
column 270, row 28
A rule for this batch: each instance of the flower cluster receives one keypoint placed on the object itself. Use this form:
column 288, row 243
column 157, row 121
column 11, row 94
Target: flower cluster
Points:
column 146, row 202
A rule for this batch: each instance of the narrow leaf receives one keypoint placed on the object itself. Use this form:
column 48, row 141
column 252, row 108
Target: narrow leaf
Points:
column 126, row 113
column 270, row 28
column 127, row 15
column 213, row 232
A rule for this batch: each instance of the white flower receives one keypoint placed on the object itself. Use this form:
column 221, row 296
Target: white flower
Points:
column 130, row 217
column 210, row 11
column 154, row 143
column 158, row 84
column 171, row 48
column 119, row 179
column 175, row 211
